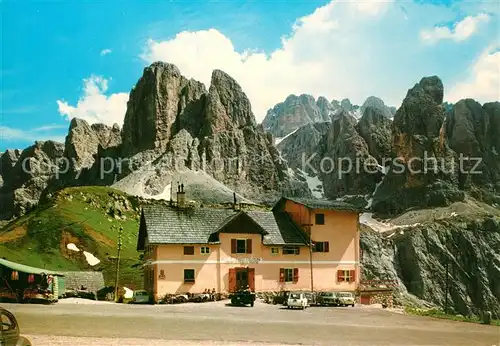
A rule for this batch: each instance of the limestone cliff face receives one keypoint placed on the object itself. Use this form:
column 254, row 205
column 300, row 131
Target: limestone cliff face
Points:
column 344, row 151
column 375, row 128
column 297, row 148
column 418, row 137
column 26, row 175
column 296, row 111
column 379, row 105
column 419, row 257
column 473, row 131
column 161, row 96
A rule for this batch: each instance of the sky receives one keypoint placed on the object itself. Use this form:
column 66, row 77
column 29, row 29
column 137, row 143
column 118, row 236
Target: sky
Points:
column 61, row 60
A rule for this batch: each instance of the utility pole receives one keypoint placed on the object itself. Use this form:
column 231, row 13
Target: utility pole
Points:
column 310, row 254
column 311, row 264
column 118, row 262
column 446, row 287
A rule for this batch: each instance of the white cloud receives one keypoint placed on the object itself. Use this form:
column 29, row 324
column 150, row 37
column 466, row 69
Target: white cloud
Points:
column 106, row 51
column 42, row 133
column 484, row 82
column 94, row 106
column 316, row 58
column 461, row 30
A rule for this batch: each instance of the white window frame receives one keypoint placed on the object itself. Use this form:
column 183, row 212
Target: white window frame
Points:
column 205, row 250
column 275, row 251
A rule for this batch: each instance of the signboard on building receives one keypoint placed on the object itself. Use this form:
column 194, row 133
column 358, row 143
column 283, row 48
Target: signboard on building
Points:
column 243, row 260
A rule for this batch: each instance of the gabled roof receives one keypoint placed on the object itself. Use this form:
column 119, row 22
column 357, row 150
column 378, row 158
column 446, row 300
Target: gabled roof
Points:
column 280, row 227
column 27, row 269
column 319, row 204
column 168, row 225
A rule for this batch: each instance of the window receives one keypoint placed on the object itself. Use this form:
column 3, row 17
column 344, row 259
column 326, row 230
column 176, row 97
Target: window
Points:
column 346, row 275
column 241, row 245
column 205, row 250
column 291, row 250
column 188, row 275
column 289, row 274
column 320, row 219
column 188, row 250
column 321, row 246
column 275, row 251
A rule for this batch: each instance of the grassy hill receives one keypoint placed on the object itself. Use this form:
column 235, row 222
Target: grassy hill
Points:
column 88, row 217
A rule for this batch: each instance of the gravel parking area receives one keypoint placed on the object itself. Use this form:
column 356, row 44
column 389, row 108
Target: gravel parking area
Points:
column 47, row 340
column 215, row 323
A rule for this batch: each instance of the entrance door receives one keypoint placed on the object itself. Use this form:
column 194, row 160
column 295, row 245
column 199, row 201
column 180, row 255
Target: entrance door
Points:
column 240, row 278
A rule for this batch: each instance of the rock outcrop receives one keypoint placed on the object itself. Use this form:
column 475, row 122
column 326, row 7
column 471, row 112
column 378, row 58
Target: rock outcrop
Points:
column 296, row 111
column 161, row 96
column 451, row 262
column 473, row 131
column 375, row 128
column 346, row 167
column 423, row 171
column 379, row 105
column 297, row 148
column 26, row 176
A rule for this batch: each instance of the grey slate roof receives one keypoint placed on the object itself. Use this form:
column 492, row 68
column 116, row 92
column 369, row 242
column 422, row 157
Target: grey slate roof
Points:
column 280, row 227
column 168, row 225
column 324, row 204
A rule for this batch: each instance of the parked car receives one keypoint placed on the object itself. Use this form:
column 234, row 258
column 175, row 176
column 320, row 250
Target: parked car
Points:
column 9, row 333
column 141, row 297
column 243, row 297
column 311, row 298
column 346, row 299
column 328, row 299
column 297, row 300
column 281, row 298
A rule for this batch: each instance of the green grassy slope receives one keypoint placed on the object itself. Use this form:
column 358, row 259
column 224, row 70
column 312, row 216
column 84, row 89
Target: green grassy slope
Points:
column 88, row 217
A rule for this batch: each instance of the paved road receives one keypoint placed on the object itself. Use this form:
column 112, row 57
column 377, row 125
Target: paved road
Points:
column 262, row 323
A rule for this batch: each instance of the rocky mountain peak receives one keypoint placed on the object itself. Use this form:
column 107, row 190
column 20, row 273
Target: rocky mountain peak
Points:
column 296, row 111
column 375, row 128
column 346, row 105
column 377, row 103
column 227, row 106
column 160, row 96
column 431, row 86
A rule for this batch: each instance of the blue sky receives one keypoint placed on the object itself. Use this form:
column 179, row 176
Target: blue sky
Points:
column 61, row 60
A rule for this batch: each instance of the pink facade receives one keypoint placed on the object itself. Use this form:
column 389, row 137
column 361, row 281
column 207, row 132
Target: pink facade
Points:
column 173, row 269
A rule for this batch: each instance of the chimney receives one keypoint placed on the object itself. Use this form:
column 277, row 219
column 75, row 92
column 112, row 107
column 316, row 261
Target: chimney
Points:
column 181, row 196
column 234, row 200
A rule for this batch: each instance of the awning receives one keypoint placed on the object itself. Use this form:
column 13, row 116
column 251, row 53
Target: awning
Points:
column 27, row 269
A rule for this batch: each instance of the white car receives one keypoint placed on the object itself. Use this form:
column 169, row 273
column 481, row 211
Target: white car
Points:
column 141, row 297
column 297, row 300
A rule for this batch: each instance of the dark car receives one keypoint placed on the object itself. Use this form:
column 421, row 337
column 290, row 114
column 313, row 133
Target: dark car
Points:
column 328, row 299
column 281, row 298
column 9, row 333
column 242, row 297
